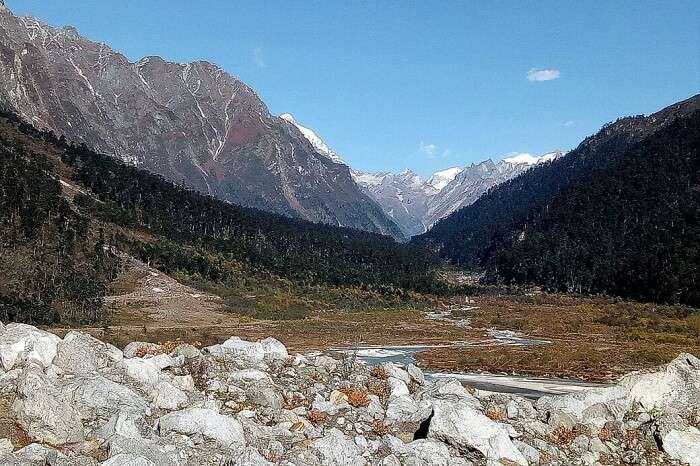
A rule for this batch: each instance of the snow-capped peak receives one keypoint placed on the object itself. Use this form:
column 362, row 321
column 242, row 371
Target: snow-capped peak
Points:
column 518, row 158
column 313, row 138
column 442, row 178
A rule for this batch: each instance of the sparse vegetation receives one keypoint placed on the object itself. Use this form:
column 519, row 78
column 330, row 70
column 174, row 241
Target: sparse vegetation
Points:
column 357, row 397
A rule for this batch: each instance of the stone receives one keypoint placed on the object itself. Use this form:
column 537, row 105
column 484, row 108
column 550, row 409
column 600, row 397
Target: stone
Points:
column 416, row 374
column 397, row 388
column 165, row 395
column 326, row 362
column 80, row 353
column 128, row 459
column 458, row 423
column 224, row 430
column 249, row 457
column 139, row 349
column 121, row 424
column 395, row 371
column 265, row 395
column 249, row 376
column 676, row 389
column 319, row 404
column 683, row 445
column 184, row 382
column 42, row 413
column 97, row 396
column 22, row 343
column 427, row 452
column 574, row 404
column 560, row 419
column 597, row 415
column 336, row 449
column 337, row 397
column 5, row 446
column 145, row 371
column 274, row 350
column 449, row 387
column 187, row 351
column 529, row 452
column 404, row 409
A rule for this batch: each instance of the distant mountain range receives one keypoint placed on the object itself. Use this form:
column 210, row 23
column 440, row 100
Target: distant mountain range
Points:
column 192, row 123
column 416, row 204
column 197, row 125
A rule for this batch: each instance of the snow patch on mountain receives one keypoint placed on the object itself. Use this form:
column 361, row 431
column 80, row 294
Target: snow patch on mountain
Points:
column 313, row 138
column 518, row 158
column 442, row 178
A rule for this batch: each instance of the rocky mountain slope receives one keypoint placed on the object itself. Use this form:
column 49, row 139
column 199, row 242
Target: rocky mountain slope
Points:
column 415, row 204
column 617, row 215
column 79, row 401
column 192, row 123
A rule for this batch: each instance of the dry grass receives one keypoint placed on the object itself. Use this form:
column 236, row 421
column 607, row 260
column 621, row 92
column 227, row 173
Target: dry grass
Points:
column 380, row 388
column 605, row 434
column 379, row 428
column 495, row 413
column 292, row 401
column 357, row 397
column 379, row 372
column 592, row 338
column 563, row 435
column 316, row 417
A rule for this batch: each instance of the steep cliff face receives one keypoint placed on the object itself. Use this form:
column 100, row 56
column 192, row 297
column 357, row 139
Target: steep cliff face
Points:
column 192, row 123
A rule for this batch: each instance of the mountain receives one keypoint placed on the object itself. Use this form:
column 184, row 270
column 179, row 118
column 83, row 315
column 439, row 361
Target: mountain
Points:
column 403, row 197
column 415, row 205
column 192, row 123
column 442, row 178
column 473, row 181
column 313, row 138
column 617, row 215
column 66, row 213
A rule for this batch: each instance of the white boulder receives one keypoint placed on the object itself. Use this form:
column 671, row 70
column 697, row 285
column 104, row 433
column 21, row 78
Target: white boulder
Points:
column 165, row 395
column 458, row 423
column 404, row 409
column 128, row 459
column 97, row 396
column 80, row 353
column 336, row 449
column 683, row 445
column 42, row 413
column 224, row 430
column 21, row 343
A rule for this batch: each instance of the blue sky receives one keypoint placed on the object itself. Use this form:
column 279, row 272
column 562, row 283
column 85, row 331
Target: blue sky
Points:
column 421, row 84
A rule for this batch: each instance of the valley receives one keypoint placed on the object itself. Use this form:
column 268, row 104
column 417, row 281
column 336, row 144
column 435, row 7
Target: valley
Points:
column 498, row 331
column 190, row 277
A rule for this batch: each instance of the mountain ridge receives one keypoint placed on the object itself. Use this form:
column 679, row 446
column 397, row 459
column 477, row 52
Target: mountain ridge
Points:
column 416, row 205
column 192, row 123
column 617, row 215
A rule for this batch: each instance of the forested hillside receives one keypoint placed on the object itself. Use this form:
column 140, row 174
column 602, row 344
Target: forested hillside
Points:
column 618, row 215
column 66, row 210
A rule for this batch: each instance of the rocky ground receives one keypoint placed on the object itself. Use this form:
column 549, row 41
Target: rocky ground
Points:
column 79, row 401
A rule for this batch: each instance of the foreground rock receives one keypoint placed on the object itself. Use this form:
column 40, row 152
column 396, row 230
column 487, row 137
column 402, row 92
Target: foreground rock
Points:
column 79, row 401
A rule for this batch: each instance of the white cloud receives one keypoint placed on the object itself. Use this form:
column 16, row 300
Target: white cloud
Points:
column 428, row 149
column 568, row 123
column 432, row 150
column 536, row 74
column 258, row 57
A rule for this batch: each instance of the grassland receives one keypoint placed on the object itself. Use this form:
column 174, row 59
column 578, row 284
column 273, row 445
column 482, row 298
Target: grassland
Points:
column 590, row 338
